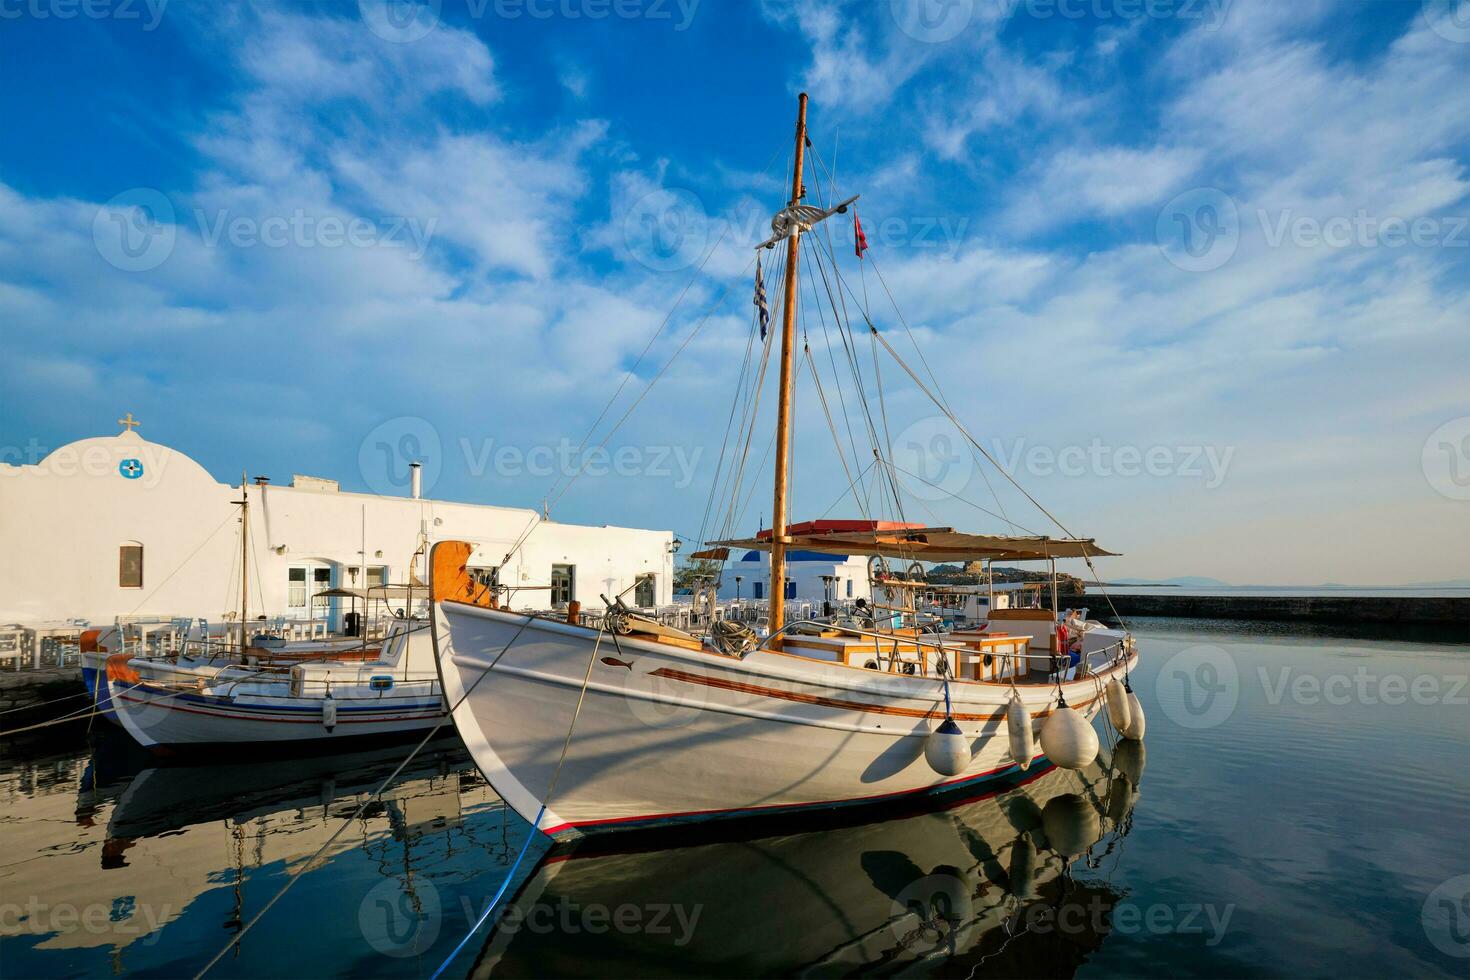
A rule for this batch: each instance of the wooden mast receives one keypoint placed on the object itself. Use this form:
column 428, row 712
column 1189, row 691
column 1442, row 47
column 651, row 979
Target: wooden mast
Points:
column 244, row 560
column 779, row 518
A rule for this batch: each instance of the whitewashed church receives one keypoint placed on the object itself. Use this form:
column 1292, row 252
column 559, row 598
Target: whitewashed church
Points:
column 117, row 526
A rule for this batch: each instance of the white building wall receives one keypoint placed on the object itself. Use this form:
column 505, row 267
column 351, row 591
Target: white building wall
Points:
column 807, row 574
column 63, row 520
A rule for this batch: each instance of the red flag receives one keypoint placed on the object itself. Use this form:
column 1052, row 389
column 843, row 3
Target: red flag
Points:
column 859, row 239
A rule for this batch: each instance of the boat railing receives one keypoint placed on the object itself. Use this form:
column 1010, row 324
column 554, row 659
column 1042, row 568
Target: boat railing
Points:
column 1011, row 661
column 220, row 684
column 321, row 687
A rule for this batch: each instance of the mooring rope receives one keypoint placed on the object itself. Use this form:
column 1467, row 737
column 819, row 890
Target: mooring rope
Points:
column 90, row 711
column 235, row 941
column 535, row 824
column 42, row 704
column 86, row 712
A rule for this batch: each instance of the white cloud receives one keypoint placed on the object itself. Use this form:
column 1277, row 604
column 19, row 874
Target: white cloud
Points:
column 1076, row 185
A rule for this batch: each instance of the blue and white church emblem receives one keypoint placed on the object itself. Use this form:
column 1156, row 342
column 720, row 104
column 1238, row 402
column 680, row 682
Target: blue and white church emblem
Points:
column 131, row 469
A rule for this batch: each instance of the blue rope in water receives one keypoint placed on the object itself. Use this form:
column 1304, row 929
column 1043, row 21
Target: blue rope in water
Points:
column 494, row 902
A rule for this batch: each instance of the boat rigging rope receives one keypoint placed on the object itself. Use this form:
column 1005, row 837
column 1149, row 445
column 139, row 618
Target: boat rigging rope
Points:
column 559, row 493
column 844, row 329
column 843, row 495
column 746, row 433
column 878, row 441
column 984, row 474
column 937, row 396
column 552, row 494
column 832, row 360
column 735, row 401
column 836, row 439
column 963, row 500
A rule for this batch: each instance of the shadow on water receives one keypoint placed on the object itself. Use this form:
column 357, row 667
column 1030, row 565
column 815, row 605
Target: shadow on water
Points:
column 121, row 866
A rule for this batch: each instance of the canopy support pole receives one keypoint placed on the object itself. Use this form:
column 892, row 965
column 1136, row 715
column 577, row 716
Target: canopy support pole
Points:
column 244, row 562
column 1053, row 588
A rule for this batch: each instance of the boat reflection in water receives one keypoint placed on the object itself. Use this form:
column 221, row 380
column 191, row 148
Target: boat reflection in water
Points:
column 1010, row 882
column 154, row 868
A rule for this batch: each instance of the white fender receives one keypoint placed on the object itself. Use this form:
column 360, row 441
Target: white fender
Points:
column 1134, row 728
column 947, row 749
column 1117, row 699
column 329, row 712
column 1068, row 740
column 1018, row 729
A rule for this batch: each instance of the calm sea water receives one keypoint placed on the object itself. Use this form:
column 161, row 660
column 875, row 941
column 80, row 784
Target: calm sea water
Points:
column 1286, row 591
column 1301, row 807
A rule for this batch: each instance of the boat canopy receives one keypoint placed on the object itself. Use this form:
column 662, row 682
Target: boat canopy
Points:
column 914, row 541
column 376, row 592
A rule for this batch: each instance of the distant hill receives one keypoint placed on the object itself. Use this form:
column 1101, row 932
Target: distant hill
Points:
column 1192, row 581
column 953, row 574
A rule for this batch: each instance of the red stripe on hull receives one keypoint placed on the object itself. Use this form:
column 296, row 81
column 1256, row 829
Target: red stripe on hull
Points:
column 723, row 684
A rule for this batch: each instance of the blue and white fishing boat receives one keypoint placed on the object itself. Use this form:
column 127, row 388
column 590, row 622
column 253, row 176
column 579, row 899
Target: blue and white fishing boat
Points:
column 389, row 690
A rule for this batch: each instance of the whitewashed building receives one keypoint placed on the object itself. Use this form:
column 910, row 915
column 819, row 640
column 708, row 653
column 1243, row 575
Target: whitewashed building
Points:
column 121, row 527
column 810, row 575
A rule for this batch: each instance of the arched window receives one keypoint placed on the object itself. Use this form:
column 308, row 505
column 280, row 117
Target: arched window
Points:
column 130, row 565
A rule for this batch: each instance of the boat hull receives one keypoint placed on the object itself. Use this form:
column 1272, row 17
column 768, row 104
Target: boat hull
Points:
column 666, row 735
column 161, row 718
column 94, row 676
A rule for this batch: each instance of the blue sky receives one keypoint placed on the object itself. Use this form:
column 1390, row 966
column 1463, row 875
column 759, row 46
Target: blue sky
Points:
column 1198, row 271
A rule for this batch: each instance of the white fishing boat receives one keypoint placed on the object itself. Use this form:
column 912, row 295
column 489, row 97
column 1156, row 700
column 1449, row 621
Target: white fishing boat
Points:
column 169, row 704
column 186, row 645
column 632, row 725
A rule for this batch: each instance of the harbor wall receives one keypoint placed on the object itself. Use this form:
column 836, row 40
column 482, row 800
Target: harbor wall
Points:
column 1449, row 611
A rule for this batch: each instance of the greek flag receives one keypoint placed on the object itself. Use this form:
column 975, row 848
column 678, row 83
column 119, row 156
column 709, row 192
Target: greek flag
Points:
column 760, row 298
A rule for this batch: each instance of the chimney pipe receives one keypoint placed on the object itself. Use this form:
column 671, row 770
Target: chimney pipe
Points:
column 416, row 480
